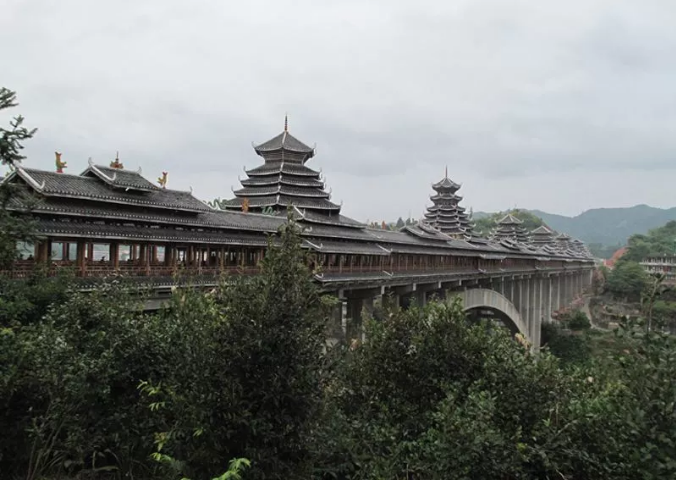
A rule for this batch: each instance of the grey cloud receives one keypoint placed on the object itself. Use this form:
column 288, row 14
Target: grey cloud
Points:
column 503, row 92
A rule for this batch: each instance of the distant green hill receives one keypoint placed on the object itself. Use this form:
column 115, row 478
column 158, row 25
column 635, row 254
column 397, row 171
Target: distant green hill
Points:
column 607, row 226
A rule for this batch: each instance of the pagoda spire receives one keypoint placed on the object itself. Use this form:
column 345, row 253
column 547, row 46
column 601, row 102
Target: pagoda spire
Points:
column 286, row 122
column 446, row 172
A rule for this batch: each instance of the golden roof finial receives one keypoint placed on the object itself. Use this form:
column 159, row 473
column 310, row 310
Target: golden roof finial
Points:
column 116, row 163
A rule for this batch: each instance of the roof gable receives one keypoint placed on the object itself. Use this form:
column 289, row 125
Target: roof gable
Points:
column 119, row 178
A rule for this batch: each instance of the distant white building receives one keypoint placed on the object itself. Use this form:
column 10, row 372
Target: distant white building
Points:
column 661, row 264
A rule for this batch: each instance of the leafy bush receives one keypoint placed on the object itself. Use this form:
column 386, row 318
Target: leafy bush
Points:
column 93, row 387
column 578, row 320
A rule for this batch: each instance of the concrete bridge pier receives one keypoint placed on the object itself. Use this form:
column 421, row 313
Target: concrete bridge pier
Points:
column 391, row 299
column 359, row 303
column 548, row 299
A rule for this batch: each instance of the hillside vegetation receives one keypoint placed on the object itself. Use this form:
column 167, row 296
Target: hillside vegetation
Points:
column 609, row 226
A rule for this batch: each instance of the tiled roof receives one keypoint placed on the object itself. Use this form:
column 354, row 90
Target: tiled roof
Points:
column 212, row 218
column 120, row 178
column 284, row 141
column 542, row 230
column 272, row 168
column 283, row 201
column 509, row 219
column 284, row 180
column 338, row 220
column 446, row 184
column 135, row 233
column 282, row 189
column 90, row 188
column 445, row 198
column 359, row 248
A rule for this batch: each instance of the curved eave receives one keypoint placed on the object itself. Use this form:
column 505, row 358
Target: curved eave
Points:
column 284, row 201
column 250, row 192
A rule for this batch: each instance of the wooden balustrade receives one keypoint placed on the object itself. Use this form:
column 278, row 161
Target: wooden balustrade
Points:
column 24, row 269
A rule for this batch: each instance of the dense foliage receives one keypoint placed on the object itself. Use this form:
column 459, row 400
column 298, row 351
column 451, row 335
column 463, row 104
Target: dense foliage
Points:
column 627, row 281
column 13, row 229
column 93, row 385
column 659, row 241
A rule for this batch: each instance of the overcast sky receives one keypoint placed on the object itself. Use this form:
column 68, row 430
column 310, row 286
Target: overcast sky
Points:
column 560, row 106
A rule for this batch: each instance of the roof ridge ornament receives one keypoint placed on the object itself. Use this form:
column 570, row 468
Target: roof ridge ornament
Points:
column 59, row 164
column 139, row 171
column 286, row 122
column 116, row 163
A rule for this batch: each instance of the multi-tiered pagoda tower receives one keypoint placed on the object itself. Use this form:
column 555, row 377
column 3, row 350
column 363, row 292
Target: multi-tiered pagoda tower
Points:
column 446, row 215
column 283, row 180
column 510, row 228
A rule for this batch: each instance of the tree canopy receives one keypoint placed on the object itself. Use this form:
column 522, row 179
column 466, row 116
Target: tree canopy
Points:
column 659, row 241
column 12, row 229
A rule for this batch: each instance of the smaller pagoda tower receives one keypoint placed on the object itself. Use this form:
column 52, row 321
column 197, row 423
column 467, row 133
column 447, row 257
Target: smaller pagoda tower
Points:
column 542, row 236
column 510, row 227
column 445, row 214
column 579, row 247
column 564, row 243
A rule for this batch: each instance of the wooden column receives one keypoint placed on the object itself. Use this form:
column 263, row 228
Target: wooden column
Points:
column 114, row 255
column 81, row 261
column 169, row 255
column 42, row 251
column 144, row 251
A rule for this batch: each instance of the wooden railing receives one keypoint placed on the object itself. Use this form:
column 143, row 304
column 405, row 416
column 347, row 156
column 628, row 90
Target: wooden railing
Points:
column 99, row 270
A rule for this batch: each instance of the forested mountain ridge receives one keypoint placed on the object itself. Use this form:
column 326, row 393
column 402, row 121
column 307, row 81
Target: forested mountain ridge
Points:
column 608, row 226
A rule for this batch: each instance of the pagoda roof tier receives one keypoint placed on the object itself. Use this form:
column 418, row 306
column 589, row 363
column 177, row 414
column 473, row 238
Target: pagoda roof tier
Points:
column 285, row 142
column 443, row 208
column 446, row 184
column 93, row 188
column 452, row 229
column 280, row 189
column 120, row 178
column 446, row 197
column 283, row 201
column 271, row 168
column 509, row 219
column 542, row 230
column 445, row 221
column 443, row 218
column 284, row 180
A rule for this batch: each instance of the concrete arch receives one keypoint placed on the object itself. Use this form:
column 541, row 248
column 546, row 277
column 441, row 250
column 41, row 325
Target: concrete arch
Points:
column 479, row 298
